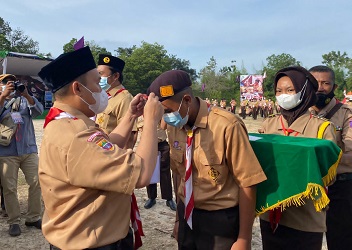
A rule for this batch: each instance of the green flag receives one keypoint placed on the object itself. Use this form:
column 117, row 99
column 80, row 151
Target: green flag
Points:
column 297, row 168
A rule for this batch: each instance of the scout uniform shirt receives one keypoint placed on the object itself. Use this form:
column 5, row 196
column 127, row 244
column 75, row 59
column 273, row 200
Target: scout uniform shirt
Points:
column 86, row 183
column 303, row 218
column 118, row 104
column 342, row 119
column 222, row 161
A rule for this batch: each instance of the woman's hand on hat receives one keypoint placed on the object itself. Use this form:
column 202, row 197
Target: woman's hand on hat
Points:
column 153, row 108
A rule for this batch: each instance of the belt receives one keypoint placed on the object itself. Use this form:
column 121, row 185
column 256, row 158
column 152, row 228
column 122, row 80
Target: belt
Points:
column 344, row 177
column 115, row 245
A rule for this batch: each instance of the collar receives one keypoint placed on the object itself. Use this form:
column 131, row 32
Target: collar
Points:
column 74, row 112
column 202, row 116
column 298, row 125
column 114, row 90
column 323, row 112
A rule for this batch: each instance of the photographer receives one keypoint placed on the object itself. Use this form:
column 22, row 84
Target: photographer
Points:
column 18, row 108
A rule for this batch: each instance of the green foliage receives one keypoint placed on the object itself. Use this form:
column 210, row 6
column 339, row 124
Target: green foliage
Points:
column 219, row 84
column 16, row 40
column 94, row 47
column 145, row 63
column 274, row 64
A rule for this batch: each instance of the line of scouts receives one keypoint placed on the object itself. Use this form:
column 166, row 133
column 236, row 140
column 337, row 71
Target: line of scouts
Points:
column 88, row 174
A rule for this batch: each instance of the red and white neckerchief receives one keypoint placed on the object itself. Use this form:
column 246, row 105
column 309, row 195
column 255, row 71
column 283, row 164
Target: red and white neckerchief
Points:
column 188, row 188
column 136, row 223
column 56, row 114
column 275, row 214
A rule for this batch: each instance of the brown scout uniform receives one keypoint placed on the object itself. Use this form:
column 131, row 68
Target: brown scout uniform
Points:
column 341, row 120
column 220, row 164
column 303, row 218
column 117, row 107
column 88, row 183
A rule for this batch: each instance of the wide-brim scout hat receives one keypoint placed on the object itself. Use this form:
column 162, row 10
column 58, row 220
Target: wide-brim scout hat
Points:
column 66, row 68
column 169, row 84
column 4, row 76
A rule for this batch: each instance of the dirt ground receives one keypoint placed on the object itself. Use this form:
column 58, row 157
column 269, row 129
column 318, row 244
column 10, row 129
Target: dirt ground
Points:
column 157, row 222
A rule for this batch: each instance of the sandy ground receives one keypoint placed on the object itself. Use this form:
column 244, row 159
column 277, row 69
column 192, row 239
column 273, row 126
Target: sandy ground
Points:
column 157, row 222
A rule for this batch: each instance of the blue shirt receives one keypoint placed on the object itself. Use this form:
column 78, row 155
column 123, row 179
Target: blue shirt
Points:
column 23, row 142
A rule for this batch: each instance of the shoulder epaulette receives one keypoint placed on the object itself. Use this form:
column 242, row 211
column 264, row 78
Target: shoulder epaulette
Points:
column 320, row 117
column 273, row 115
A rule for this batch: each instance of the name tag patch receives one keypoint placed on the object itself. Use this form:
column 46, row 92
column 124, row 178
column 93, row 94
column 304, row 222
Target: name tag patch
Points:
column 105, row 144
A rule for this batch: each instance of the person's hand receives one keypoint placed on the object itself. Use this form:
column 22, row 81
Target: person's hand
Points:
column 241, row 244
column 153, row 108
column 9, row 89
column 25, row 91
column 137, row 105
column 175, row 231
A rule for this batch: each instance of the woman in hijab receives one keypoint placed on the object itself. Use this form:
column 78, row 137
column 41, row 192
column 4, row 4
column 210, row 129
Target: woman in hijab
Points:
column 296, row 227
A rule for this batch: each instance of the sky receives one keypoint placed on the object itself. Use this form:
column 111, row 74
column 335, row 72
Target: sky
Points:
column 245, row 31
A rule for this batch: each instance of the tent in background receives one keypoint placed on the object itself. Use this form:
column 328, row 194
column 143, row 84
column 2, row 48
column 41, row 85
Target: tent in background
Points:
column 26, row 68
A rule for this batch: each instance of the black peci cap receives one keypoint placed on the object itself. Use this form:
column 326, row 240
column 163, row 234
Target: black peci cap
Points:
column 170, row 83
column 66, row 68
column 111, row 61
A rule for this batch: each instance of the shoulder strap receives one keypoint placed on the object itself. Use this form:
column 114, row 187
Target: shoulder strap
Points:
column 322, row 129
column 333, row 110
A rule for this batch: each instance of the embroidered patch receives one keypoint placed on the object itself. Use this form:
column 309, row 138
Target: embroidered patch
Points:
column 213, row 173
column 166, row 91
column 106, row 59
column 105, row 144
column 91, row 138
column 176, row 145
column 100, row 120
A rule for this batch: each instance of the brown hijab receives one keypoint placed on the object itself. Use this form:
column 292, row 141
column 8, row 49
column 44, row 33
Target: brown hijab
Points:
column 298, row 76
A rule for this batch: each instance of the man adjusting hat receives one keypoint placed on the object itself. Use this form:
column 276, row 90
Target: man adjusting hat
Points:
column 86, row 177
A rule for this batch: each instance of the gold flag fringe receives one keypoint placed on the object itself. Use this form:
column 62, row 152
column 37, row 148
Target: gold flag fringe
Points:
column 313, row 191
column 332, row 171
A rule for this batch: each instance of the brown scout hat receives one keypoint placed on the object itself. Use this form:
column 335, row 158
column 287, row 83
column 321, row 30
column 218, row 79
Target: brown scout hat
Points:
column 169, row 84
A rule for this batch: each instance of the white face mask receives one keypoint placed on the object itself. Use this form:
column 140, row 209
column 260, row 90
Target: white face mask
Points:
column 288, row 102
column 101, row 101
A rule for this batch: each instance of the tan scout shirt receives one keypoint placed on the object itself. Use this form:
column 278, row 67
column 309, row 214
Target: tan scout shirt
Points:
column 86, row 189
column 222, row 158
column 304, row 218
column 341, row 120
column 117, row 107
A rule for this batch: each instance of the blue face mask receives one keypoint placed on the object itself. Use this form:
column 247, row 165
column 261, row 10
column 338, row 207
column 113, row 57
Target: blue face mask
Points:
column 104, row 82
column 174, row 119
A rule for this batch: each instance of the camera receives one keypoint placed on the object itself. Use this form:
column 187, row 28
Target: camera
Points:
column 19, row 86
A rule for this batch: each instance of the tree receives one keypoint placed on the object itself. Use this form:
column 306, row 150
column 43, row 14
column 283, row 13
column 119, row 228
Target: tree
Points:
column 16, row 40
column 219, row 84
column 341, row 64
column 146, row 62
column 94, row 47
column 274, row 64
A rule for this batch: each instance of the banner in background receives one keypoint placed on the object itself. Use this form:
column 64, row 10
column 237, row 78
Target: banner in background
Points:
column 251, row 86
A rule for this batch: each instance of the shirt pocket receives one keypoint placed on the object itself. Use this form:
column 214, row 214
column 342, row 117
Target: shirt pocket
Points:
column 103, row 118
column 176, row 160
column 211, row 167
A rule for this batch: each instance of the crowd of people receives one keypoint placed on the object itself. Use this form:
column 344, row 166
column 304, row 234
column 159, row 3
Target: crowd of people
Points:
column 89, row 166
